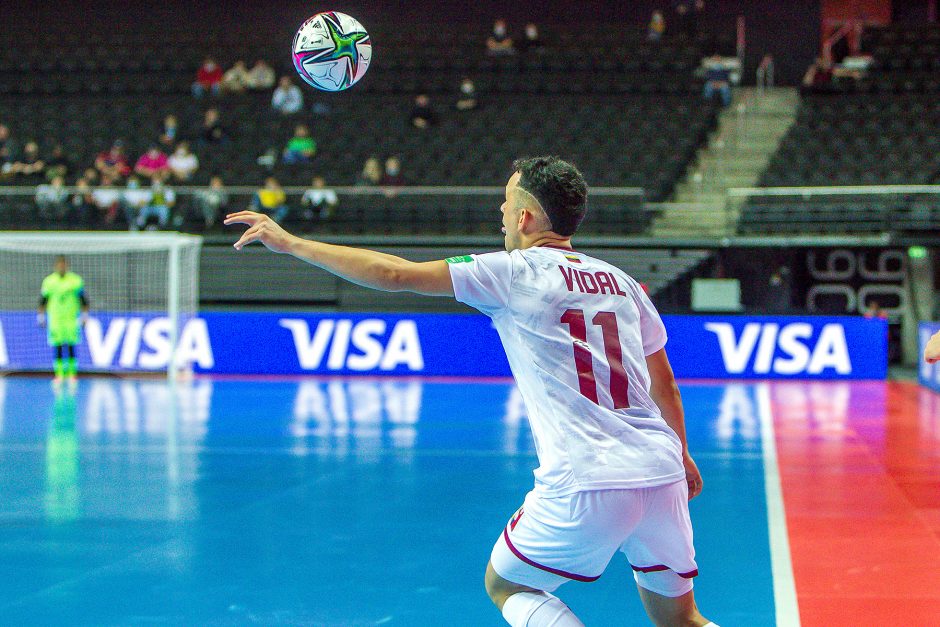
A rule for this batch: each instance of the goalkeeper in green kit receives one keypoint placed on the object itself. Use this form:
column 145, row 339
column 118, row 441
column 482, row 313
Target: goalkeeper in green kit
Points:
column 63, row 309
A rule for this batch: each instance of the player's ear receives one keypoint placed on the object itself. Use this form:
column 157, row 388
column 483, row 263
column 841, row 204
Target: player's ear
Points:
column 526, row 219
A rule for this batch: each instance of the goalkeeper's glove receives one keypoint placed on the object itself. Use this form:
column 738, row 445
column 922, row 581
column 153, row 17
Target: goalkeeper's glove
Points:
column 41, row 319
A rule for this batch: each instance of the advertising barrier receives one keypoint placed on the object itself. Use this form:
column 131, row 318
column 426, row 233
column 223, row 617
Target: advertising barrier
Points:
column 719, row 347
column 929, row 373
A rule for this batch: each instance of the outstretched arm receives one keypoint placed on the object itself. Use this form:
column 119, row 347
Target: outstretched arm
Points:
column 362, row 267
column 665, row 393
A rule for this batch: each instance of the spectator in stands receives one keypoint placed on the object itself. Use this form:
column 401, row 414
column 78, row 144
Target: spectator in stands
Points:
column 107, row 199
column 235, row 79
column 392, row 177
column 765, row 72
column 169, row 131
column 183, row 163
column 301, row 147
column 212, row 132
column 287, row 98
column 467, row 100
column 371, row 174
column 7, row 148
column 532, row 42
column 818, row 77
column 657, row 26
column 113, row 163
column 499, row 42
column 83, row 205
column 91, row 176
column 29, row 167
column 52, row 199
column 133, row 200
column 422, row 115
column 153, row 164
column 208, row 79
column 687, row 16
column 162, row 199
column 57, row 165
column 211, row 202
column 874, row 310
column 271, row 200
column 717, row 79
column 260, row 76
column 319, row 200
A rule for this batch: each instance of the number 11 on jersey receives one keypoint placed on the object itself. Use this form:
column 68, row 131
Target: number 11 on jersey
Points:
column 607, row 321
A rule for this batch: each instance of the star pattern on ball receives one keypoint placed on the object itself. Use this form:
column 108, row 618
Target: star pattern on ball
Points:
column 345, row 46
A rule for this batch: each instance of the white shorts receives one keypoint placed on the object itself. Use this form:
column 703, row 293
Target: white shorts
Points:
column 551, row 540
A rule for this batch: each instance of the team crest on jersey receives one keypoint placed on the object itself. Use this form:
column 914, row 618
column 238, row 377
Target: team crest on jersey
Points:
column 515, row 519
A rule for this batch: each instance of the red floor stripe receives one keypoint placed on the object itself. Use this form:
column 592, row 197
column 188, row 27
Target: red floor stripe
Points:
column 860, row 471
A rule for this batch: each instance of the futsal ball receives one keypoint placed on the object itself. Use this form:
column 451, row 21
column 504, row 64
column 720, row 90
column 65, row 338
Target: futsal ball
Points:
column 332, row 51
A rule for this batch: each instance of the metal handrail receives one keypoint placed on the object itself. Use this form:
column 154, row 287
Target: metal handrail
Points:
column 357, row 190
column 846, row 190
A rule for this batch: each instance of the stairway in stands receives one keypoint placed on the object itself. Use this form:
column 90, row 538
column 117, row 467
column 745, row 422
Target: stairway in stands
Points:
column 747, row 135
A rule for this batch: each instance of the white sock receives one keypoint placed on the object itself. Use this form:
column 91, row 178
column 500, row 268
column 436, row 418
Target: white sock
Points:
column 538, row 609
column 711, row 625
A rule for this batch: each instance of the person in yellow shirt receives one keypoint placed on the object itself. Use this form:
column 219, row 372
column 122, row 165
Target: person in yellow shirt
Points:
column 271, row 200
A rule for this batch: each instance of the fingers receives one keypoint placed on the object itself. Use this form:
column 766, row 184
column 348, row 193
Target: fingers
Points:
column 243, row 217
column 695, row 486
column 253, row 234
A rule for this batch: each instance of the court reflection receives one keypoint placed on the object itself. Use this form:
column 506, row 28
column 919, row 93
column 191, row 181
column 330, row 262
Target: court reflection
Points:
column 360, row 415
column 737, row 416
column 823, row 408
column 150, row 408
column 62, row 497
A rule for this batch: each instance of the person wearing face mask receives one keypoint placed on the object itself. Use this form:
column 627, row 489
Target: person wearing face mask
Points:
column 499, row 42
column 392, row 176
column 467, row 100
column 532, row 41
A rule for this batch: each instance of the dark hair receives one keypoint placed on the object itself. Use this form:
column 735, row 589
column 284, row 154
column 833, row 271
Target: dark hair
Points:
column 559, row 188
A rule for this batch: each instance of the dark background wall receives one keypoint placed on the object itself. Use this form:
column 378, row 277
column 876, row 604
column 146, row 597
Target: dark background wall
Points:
column 788, row 30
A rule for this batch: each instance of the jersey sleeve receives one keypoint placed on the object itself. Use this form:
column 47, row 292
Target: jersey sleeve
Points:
column 652, row 329
column 46, row 288
column 482, row 281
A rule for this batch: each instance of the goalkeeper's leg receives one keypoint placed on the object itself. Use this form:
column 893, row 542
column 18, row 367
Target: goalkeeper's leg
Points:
column 58, row 362
column 71, row 364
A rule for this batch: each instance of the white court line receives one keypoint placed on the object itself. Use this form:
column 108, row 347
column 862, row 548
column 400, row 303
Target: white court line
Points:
column 787, row 610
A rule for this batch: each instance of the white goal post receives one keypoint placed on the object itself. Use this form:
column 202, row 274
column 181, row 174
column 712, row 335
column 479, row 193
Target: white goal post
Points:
column 142, row 288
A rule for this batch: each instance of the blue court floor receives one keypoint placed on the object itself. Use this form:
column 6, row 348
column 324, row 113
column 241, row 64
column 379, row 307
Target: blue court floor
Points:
column 340, row 502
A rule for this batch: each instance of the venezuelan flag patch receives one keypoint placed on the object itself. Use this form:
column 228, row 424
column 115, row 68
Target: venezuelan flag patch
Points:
column 572, row 258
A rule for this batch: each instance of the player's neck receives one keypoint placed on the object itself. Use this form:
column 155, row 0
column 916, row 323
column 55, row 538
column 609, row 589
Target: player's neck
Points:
column 551, row 240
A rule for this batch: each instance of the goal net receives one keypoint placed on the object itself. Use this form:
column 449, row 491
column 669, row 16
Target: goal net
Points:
column 142, row 290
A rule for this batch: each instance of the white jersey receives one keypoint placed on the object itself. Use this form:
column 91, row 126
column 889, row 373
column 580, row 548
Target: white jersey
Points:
column 577, row 332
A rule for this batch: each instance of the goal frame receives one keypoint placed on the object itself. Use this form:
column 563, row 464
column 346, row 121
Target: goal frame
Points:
column 90, row 242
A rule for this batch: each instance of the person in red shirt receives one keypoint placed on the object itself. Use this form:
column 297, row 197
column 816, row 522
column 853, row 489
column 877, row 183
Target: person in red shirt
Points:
column 208, row 79
column 113, row 163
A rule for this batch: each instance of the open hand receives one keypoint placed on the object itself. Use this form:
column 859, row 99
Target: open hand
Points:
column 261, row 228
column 932, row 350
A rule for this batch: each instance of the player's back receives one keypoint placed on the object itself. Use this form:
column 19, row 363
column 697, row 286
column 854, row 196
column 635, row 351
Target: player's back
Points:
column 577, row 332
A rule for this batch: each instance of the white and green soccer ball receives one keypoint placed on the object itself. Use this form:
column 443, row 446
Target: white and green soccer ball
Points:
column 331, row 51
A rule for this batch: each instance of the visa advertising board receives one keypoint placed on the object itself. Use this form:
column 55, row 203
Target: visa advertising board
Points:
column 719, row 347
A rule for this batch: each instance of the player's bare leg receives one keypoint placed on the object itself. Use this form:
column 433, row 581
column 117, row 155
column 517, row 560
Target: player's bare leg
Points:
column 527, row 607
column 672, row 611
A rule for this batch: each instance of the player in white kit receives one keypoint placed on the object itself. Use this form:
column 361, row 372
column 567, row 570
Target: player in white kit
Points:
column 586, row 347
